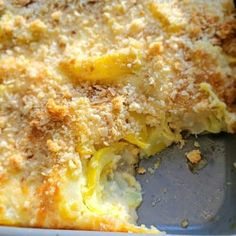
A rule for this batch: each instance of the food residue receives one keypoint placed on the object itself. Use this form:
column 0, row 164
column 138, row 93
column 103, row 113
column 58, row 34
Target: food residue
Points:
column 184, row 223
column 141, row 170
column 194, row 156
column 157, row 164
column 196, row 144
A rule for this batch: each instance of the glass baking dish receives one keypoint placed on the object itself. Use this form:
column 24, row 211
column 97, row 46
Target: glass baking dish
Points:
column 175, row 199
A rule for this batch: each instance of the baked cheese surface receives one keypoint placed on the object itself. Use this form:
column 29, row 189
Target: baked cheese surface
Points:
column 87, row 87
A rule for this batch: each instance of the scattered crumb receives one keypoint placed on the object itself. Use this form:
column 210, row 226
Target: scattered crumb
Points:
column 151, row 170
column 53, row 146
column 196, row 144
column 157, row 164
column 184, row 223
column 58, row 112
column 141, row 170
column 56, row 15
column 194, row 156
column 195, row 161
column 155, row 48
column 181, row 143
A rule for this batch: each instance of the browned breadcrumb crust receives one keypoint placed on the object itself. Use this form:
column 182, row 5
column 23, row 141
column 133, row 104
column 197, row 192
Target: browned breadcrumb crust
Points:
column 51, row 124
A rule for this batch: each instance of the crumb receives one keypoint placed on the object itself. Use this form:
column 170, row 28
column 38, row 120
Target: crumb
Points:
column 157, row 164
column 136, row 26
column 184, row 223
column 53, row 146
column 151, row 170
column 37, row 26
column 56, row 15
column 155, row 48
column 181, row 143
column 58, row 112
column 196, row 144
column 117, row 104
column 141, row 170
column 194, row 156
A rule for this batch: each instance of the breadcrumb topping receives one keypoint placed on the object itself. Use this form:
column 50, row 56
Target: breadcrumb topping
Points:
column 78, row 76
